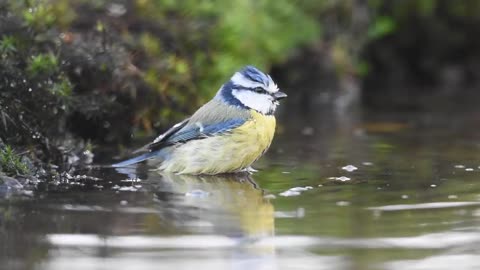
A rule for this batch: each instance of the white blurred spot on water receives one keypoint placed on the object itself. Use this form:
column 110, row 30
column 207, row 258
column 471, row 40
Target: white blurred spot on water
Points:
column 289, row 193
column 342, row 203
column 341, row 178
column 349, row 168
column 299, row 213
column 295, row 191
column 132, row 189
column 439, row 262
column 434, row 205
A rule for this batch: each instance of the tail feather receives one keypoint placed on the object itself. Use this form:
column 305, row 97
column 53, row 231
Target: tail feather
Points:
column 135, row 160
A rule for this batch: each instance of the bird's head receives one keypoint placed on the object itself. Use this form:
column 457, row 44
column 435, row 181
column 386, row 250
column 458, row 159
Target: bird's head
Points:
column 253, row 89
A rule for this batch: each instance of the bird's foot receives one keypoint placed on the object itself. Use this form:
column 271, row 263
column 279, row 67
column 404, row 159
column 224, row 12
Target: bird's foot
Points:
column 249, row 169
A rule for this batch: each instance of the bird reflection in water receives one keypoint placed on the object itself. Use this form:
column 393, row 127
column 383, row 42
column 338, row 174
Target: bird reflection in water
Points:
column 232, row 205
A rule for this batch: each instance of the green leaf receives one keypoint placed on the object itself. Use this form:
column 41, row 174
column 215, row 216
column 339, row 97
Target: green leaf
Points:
column 381, row 27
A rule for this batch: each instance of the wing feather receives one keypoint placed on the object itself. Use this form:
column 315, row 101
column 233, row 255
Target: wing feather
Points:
column 163, row 137
column 211, row 119
column 198, row 131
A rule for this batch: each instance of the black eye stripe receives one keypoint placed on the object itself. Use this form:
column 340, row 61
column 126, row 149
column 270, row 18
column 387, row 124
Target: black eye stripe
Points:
column 257, row 89
column 260, row 90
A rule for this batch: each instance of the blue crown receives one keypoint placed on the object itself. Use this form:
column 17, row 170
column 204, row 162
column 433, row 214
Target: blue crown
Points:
column 255, row 75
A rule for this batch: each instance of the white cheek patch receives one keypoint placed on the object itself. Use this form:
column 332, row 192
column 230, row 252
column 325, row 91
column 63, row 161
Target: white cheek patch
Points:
column 260, row 102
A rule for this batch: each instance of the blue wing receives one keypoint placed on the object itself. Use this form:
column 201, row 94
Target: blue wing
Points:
column 197, row 130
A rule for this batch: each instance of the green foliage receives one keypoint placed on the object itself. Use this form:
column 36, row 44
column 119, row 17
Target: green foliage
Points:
column 11, row 163
column 237, row 33
column 8, row 45
column 381, row 27
column 43, row 14
column 193, row 47
column 39, row 16
column 42, row 64
column 62, row 88
column 363, row 68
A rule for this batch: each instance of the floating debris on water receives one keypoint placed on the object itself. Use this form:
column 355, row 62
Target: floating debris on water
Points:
column 342, row 203
column 405, row 196
column 469, row 169
column 433, row 185
column 459, row 166
column 301, row 188
column 84, row 208
column 28, row 193
column 289, row 193
column 299, row 213
column 197, row 193
column 131, row 180
column 452, row 197
column 286, row 172
column 367, row 163
column 123, row 202
column 127, row 189
column 349, row 168
column 269, row 196
column 295, row 191
column 341, row 178
column 435, row 205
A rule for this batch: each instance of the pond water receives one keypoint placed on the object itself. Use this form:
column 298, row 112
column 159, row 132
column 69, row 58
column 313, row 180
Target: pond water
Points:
column 345, row 190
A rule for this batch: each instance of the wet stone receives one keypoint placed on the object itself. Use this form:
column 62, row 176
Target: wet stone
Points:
column 9, row 186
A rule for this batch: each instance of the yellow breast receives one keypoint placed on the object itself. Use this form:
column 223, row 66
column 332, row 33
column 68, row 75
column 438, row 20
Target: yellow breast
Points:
column 224, row 153
column 259, row 130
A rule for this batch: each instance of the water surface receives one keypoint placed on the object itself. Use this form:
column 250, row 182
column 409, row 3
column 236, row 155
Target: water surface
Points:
column 335, row 191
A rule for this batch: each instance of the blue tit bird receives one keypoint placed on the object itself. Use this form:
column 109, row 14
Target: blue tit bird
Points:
column 225, row 135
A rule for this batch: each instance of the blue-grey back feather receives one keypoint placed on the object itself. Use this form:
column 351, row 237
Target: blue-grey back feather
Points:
column 213, row 118
column 201, row 130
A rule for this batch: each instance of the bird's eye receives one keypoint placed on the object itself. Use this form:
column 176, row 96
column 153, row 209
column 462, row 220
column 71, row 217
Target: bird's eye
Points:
column 259, row 89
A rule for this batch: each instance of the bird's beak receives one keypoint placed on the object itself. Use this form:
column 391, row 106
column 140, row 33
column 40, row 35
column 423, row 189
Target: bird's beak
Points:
column 279, row 95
